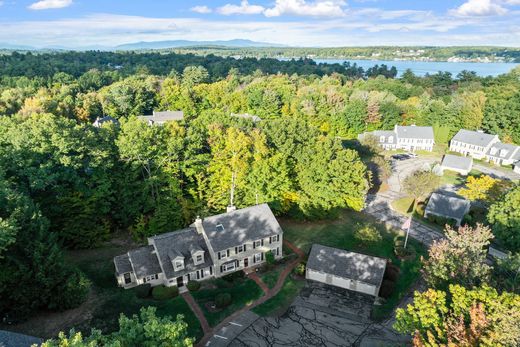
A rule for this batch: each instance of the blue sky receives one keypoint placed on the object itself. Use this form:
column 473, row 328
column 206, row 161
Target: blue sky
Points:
column 82, row 23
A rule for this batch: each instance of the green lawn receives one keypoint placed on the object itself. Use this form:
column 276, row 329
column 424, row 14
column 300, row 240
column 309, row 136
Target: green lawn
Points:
column 340, row 233
column 271, row 277
column 403, row 205
column 281, row 301
column 243, row 292
column 114, row 300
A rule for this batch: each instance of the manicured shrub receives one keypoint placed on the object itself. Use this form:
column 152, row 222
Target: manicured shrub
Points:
column 163, row 293
column 222, row 300
column 143, row 291
column 387, row 288
column 391, row 272
column 269, row 258
column 232, row 277
column 367, row 233
column 193, row 286
column 300, row 269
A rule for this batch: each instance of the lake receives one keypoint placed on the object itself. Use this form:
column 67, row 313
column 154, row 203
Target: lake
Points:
column 421, row 68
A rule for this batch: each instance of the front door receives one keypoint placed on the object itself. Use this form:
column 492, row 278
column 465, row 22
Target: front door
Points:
column 180, row 281
column 246, row 262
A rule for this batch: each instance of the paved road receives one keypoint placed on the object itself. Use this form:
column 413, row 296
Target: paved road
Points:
column 378, row 205
column 496, row 172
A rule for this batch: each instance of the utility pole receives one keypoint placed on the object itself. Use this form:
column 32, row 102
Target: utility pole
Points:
column 232, row 193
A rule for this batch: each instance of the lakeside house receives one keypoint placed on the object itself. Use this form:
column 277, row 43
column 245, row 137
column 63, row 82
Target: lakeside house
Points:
column 354, row 271
column 408, row 138
column 161, row 117
column 211, row 247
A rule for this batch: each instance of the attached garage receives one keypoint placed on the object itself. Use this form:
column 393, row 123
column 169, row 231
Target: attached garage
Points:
column 354, row 271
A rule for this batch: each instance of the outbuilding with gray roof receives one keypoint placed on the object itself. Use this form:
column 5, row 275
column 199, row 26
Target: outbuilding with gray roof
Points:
column 349, row 270
column 462, row 165
column 449, row 207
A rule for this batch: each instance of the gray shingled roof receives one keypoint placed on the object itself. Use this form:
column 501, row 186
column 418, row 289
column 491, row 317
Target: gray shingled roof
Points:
column 144, row 262
column 10, row 339
column 246, row 116
column 345, row 264
column 510, row 150
column 476, row 138
column 414, row 132
column 386, row 134
column 451, row 161
column 447, row 206
column 122, row 263
column 105, row 119
column 164, row 116
column 241, row 226
column 180, row 242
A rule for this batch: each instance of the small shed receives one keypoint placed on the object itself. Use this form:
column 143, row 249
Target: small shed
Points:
column 354, row 271
column 462, row 165
column 447, row 206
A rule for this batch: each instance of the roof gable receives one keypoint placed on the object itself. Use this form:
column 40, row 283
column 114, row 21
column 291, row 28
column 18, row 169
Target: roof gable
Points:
column 241, row 226
column 345, row 264
column 475, row 138
column 447, row 206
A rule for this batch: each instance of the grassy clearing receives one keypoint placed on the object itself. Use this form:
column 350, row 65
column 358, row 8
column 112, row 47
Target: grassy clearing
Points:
column 403, row 205
column 340, row 234
column 281, row 301
column 243, row 293
column 115, row 300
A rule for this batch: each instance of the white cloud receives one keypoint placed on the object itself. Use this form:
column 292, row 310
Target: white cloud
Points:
column 317, row 8
column 479, row 8
column 243, row 8
column 201, row 9
column 48, row 4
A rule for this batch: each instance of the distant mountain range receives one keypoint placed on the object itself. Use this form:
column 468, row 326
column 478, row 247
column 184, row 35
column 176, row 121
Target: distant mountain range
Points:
column 237, row 43
column 187, row 43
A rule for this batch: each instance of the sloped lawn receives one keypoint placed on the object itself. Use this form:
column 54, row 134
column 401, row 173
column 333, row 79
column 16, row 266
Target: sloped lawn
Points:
column 340, row 234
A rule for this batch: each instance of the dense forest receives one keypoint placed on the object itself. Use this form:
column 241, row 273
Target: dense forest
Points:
column 67, row 184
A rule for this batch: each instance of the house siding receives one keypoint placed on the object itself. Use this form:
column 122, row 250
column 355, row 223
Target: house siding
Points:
column 341, row 282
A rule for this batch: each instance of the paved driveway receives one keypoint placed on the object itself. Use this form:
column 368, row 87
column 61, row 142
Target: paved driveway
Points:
column 321, row 315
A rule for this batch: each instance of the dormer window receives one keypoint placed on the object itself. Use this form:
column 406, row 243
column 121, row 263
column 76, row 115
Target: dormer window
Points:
column 503, row 153
column 179, row 265
column 493, row 151
column 198, row 257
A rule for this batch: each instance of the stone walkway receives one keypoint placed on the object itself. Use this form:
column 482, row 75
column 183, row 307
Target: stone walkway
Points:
column 261, row 284
column 271, row 292
column 197, row 311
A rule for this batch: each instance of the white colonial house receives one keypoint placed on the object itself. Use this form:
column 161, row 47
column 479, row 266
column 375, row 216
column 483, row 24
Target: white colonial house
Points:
column 211, row 247
column 475, row 144
column 502, row 153
column 409, row 138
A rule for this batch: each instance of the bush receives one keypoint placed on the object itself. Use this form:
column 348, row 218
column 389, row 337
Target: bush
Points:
column 232, row 277
column 420, row 208
column 72, row 293
column 368, row 233
column 143, row 291
column 387, row 288
column 222, row 300
column 300, row 269
column 193, row 286
column 391, row 272
column 163, row 293
column 269, row 258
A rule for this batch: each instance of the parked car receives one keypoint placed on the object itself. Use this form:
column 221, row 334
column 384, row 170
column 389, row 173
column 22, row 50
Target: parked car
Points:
column 401, row 156
column 411, row 155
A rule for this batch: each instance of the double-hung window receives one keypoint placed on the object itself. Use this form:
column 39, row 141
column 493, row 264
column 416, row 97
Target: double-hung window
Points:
column 257, row 258
column 257, row 244
column 228, row 267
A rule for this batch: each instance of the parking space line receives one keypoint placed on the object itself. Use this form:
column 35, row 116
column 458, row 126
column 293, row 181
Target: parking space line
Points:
column 222, row 337
column 239, row 325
